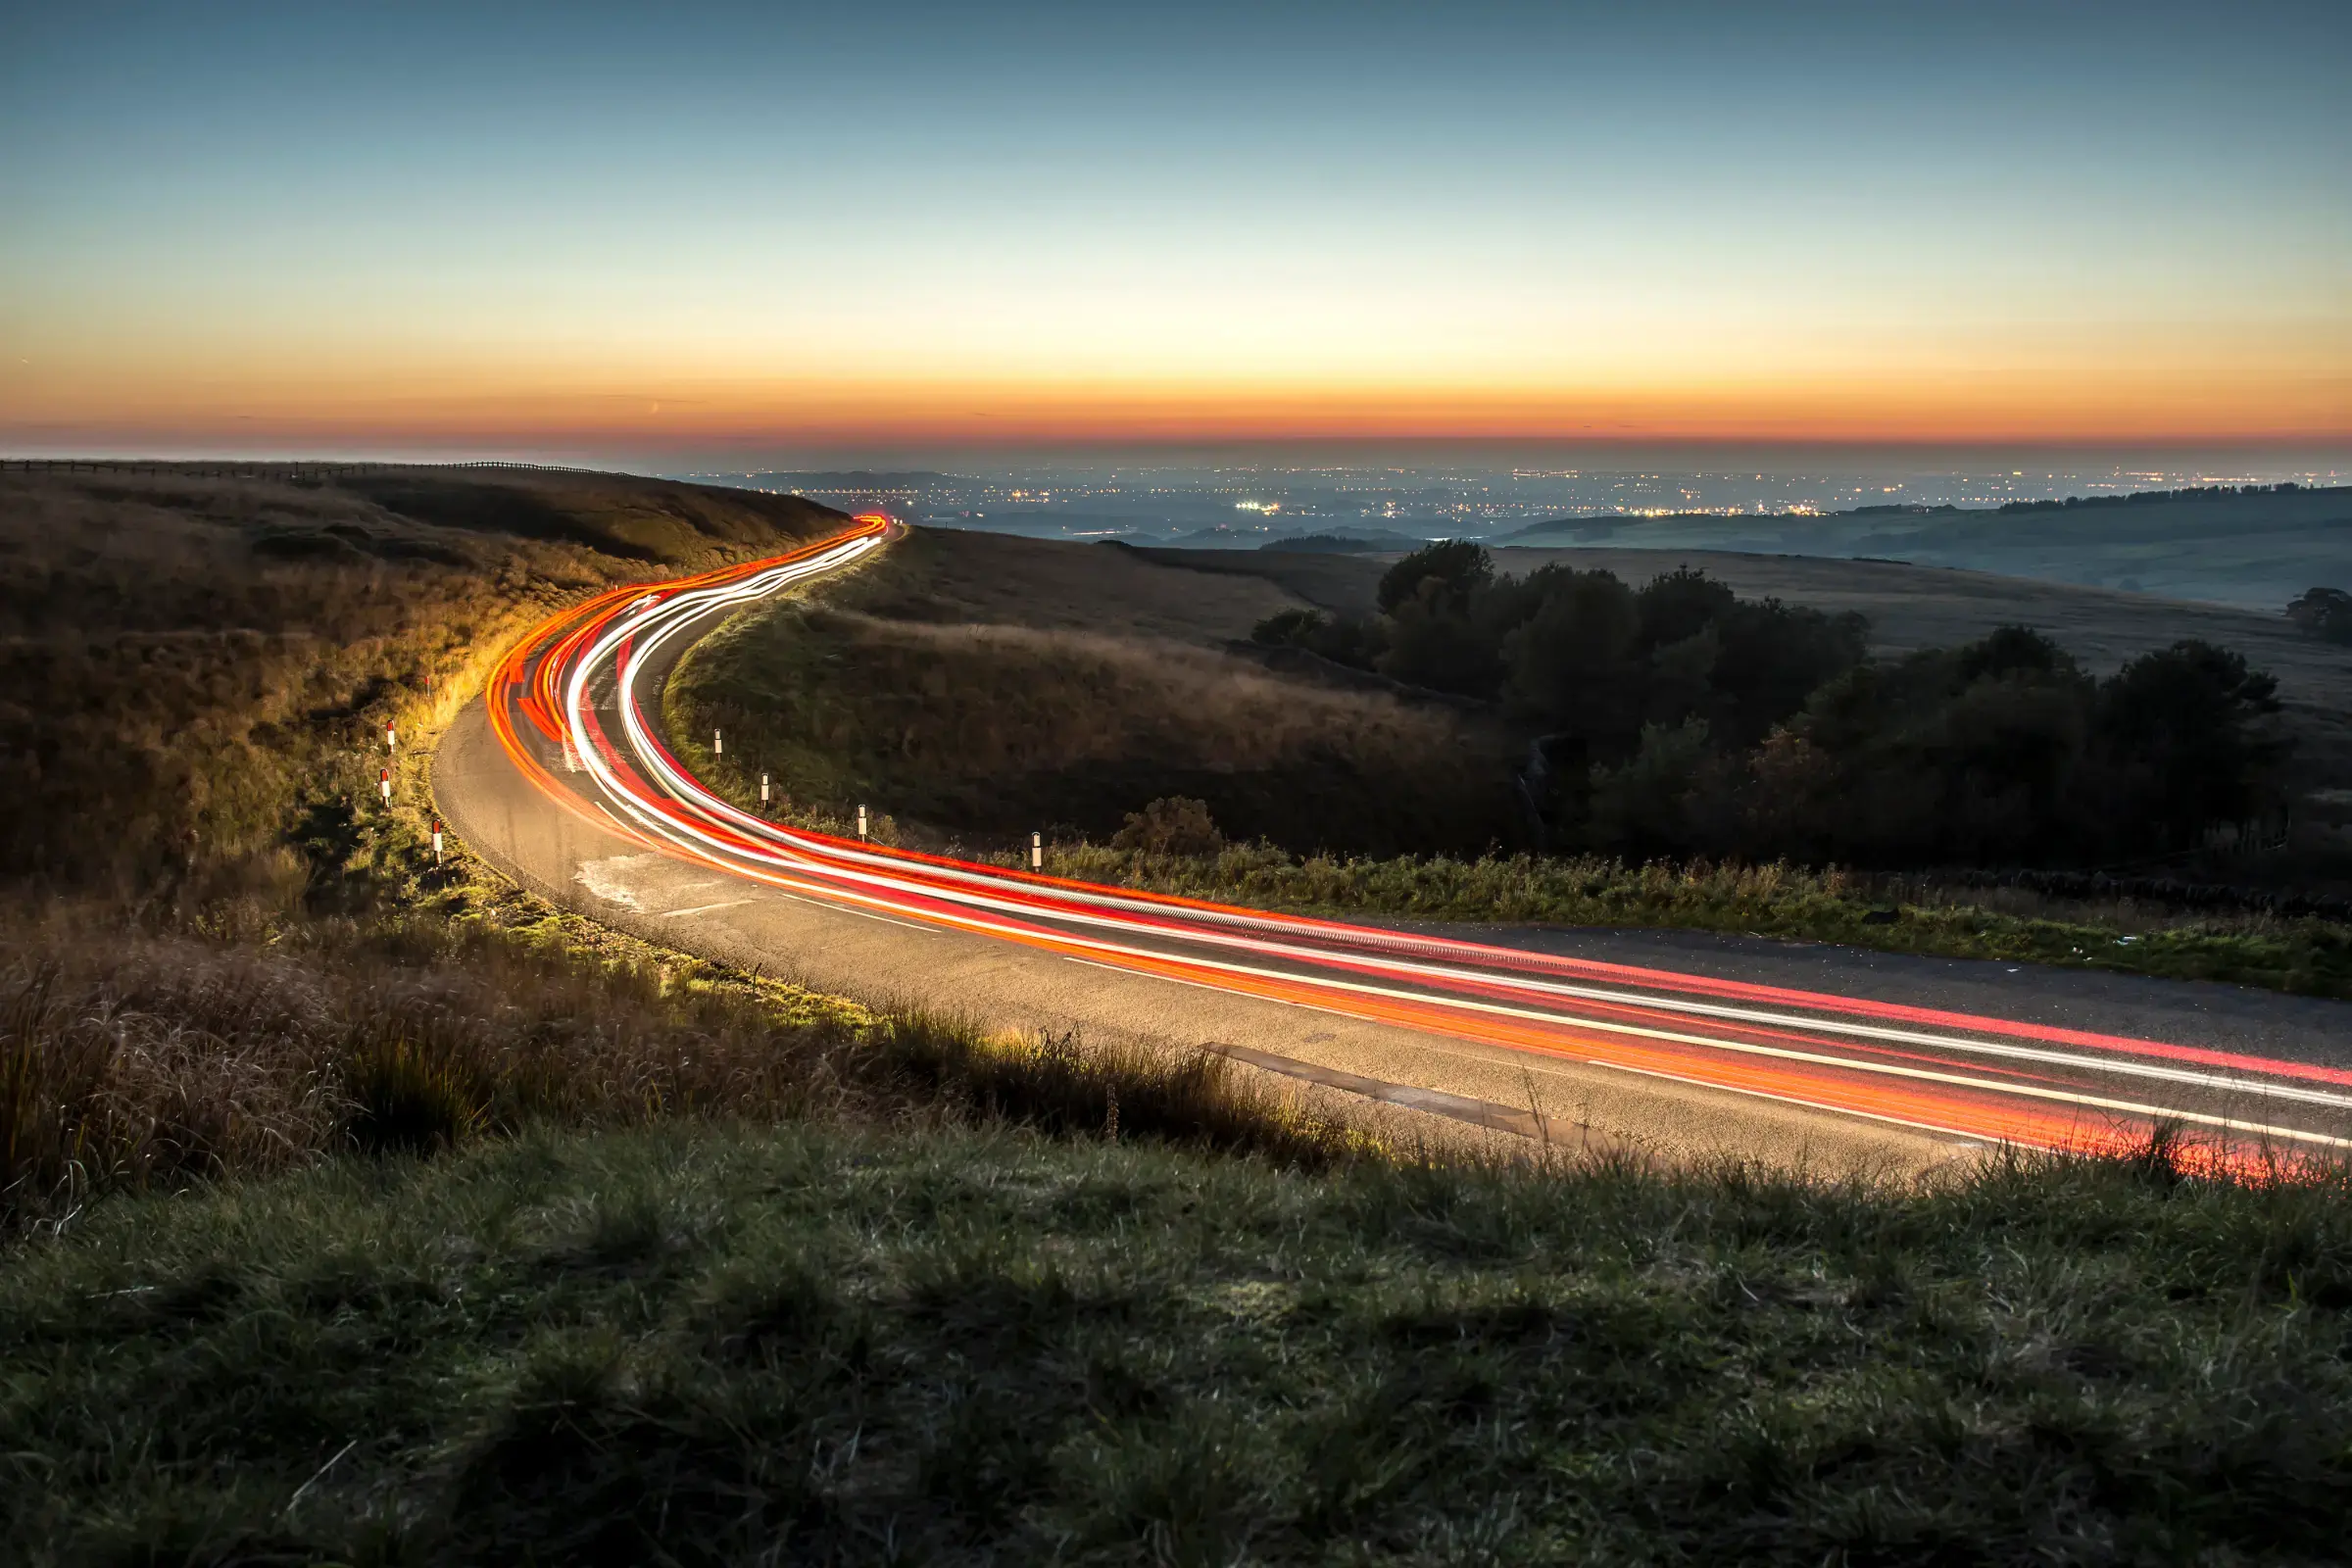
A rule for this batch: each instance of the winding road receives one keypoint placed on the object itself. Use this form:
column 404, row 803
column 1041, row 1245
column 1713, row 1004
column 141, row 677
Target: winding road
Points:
column 560, row 777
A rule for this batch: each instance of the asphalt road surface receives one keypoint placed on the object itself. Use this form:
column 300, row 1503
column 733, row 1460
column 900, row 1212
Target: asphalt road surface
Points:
column 1684, row 1046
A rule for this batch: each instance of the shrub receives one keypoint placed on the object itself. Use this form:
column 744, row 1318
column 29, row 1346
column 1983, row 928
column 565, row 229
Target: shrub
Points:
column 2324, row 613
column 1342, row 639
column 1170, row 825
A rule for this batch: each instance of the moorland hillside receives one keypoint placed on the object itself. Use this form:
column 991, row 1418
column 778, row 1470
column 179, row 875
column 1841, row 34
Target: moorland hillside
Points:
column 197, row 662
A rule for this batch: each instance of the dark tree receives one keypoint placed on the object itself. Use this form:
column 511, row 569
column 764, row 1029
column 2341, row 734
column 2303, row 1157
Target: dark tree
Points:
column 1342, row 639
column 1435, row 639
column 1572, row 664
column 1460, row 566
column 1679, row 604
column 2181, row 745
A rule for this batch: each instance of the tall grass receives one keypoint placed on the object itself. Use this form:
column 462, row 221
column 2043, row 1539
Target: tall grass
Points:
column 1005, row 729
column 137, row 1060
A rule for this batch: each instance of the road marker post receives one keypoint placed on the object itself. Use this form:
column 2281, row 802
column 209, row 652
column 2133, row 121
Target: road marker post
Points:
column 862, row 821
column 1037, row 851
column 384, row 778
column 391, row 739
column 719, row 747
column 763, row 789
column 436, row 841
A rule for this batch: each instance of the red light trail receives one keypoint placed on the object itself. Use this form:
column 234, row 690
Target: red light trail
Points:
column 567, row 696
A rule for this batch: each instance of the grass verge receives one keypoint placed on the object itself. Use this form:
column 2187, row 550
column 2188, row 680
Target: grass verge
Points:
column 969, row 1345
column 1894, row 914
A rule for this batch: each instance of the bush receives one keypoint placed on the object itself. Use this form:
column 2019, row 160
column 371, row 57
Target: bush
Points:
column 1342, row 639
column 1170, row 825
column 2324, row 613
column 1642, row 809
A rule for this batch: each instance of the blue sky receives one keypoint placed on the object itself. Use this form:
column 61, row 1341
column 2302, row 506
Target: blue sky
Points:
column 457, row 222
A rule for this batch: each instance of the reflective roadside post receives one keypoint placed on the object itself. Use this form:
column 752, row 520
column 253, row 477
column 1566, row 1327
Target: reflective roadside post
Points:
column 763, row 789
column 391, row 739
column 719, row 747
column 384, row 779
column 1037, row 851
column 436, row 841
column 862, row 821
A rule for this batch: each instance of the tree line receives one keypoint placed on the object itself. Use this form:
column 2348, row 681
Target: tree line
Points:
column 1680, row 718
column 2207, row 492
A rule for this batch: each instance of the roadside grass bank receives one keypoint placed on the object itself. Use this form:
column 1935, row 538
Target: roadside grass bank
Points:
column 151, row 1058
column 971, row 729
column 972, row 1343
column 1890, row 914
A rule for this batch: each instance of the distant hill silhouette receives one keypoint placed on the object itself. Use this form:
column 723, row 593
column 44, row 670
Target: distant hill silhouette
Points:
column 2255, row 545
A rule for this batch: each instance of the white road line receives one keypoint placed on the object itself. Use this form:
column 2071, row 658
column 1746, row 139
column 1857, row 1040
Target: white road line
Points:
column 863, row 914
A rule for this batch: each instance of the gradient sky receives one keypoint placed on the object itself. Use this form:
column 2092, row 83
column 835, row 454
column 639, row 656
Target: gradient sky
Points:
column 584, row 227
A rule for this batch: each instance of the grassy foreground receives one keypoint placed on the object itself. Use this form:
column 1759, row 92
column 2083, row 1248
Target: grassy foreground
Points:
column 966, row 1345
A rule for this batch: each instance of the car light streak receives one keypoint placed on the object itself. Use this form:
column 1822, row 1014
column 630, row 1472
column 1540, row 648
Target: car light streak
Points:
column 573, row 681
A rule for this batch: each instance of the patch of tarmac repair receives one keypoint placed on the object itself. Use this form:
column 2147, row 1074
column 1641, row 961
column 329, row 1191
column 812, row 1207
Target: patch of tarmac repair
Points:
column 627, row 879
